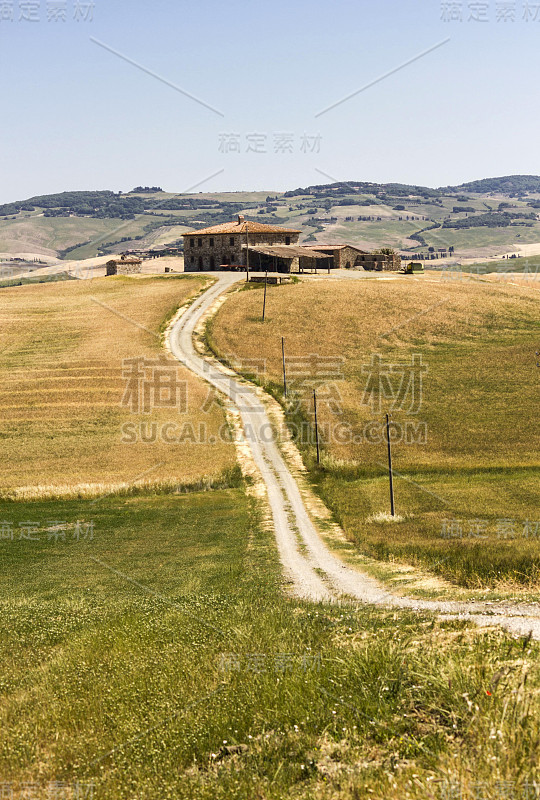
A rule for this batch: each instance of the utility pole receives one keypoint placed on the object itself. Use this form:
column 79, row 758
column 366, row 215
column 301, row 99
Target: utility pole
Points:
column 316, row 427
column 264, row 301
column 284, row 372
column 390, row 466
column 247, row 251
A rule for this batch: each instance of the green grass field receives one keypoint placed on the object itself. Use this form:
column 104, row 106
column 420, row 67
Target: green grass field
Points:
column 154, row 655
column 475, row 238
column 526, row 264
column 465, row 450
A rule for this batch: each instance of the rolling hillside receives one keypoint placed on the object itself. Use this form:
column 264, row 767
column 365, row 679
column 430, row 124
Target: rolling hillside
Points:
column 475, row 220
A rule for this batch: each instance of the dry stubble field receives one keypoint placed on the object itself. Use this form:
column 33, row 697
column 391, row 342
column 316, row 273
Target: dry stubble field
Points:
column 62, row 390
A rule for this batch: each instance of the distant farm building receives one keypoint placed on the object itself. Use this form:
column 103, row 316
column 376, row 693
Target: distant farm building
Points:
column 380, row 261
column 344, row 256
column 270, row 247
column 226, row 245
column 125, row 265
column 347, row 256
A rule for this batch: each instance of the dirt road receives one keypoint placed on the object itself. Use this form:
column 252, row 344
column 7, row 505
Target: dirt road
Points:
column 313, row 571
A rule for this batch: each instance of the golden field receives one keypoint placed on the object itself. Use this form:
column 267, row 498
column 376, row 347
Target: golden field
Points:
column 466, row 442
column 64, row 395
column 477, row 346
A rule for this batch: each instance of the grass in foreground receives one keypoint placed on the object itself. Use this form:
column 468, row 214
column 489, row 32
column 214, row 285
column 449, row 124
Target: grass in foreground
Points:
column 465, row 441
column 157, row 658
column 67, row 390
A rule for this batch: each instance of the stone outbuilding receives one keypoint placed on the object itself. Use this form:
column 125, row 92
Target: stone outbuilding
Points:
column 347, row 256
column 226, row 244
column 380, row 261
column 125, row 265
column 344, row 256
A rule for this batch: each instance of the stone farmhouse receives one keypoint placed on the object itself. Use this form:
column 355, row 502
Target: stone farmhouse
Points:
column 226, row 244
column 273, row 248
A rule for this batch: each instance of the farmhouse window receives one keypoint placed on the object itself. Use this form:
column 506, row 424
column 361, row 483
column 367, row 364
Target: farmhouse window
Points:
column 211, row 242
column 199, row 242
column 192, row 242
column 231, row 241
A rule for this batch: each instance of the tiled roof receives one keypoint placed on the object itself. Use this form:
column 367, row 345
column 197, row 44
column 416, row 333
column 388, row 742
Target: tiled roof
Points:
column 240, row 227
column 320, row 246
column 286, row 251
column 125, row 260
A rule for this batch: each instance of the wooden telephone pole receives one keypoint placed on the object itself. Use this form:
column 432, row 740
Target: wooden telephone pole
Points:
column 284, row 370
column 316, row 427
column 390, row 466
column 264, row 301
column 247, row 251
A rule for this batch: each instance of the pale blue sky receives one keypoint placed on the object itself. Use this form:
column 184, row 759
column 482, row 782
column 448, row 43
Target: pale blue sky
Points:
column 77, row 116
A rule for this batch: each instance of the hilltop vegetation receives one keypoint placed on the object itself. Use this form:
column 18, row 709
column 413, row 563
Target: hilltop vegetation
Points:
column 509, row 184
column 92, row 204
column 344, row 188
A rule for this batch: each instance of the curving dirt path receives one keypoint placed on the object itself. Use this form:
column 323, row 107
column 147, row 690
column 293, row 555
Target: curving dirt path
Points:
column 313, row 571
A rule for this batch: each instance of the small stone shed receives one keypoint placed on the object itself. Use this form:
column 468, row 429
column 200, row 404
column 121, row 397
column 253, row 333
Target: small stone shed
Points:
column 125, row 265
column 390, row 262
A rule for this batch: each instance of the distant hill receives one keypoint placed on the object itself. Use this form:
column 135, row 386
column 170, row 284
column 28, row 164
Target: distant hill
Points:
column 508, row 184
column 93, row 204
column 470, row 220
column 107, row 203
column 345, row 187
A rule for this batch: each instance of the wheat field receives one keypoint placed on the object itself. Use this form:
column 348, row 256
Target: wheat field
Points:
column 472, row 338
column 74, row 417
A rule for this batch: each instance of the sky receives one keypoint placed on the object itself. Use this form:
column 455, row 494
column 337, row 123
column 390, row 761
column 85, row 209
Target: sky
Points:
column 231, row 96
